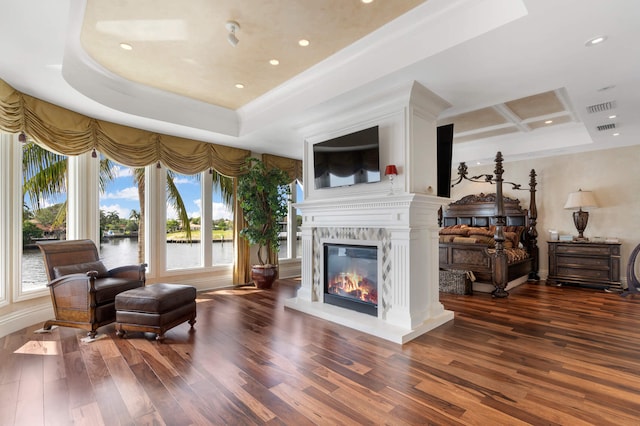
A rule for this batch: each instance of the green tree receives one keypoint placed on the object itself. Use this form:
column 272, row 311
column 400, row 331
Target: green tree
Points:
column 30, row 232
column 264, row 196
column 173, row 225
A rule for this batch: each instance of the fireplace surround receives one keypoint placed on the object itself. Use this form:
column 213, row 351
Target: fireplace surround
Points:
column 407, row 286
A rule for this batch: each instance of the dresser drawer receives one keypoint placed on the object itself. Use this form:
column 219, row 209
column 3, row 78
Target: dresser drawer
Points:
column 584, row 274
column 584, row 250
column 583, row 261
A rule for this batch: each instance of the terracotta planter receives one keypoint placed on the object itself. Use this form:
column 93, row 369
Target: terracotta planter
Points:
column 263, row 276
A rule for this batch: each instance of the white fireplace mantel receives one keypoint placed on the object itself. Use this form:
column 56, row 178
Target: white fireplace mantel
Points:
column 405, row 225
column 403, row 222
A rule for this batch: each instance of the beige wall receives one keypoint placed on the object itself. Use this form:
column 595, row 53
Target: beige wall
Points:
column 614, row 177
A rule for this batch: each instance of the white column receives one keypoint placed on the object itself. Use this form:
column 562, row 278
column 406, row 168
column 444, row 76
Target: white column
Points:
column 305, row 292
column 10, row 215
column 155, row 217
column 206, row 219
column 83, row 198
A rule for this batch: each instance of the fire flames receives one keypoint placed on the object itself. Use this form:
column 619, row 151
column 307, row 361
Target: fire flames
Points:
column 352, row 285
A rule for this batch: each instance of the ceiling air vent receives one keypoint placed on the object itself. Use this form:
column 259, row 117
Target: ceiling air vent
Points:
column 604, row 127
column 604, row 106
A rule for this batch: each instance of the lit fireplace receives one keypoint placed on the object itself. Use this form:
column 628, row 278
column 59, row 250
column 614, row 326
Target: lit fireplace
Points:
column 351, row 277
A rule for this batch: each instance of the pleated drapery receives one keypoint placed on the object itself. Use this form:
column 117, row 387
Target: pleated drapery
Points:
column 70, row 133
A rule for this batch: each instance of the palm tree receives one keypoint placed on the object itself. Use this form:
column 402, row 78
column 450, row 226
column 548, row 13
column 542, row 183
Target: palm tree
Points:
column 224, row 183
column 45, row 175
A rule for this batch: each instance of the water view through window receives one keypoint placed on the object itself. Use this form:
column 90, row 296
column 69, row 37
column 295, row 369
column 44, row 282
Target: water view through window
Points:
column 119, row 251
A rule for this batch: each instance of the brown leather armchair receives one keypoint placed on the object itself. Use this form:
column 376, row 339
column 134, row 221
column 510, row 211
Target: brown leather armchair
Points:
column 82, row 290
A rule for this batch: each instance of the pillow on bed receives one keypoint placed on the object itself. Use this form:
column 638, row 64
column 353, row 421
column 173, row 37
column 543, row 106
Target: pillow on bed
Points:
column 480, row 231
column 465, row 240
column 518, row 230
column 485, row 239
column 447, row 238
column 513, row 237
column 455, row 230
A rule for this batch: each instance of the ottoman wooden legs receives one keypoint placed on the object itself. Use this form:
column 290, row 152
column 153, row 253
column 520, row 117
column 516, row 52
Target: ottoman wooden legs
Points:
column 155, row 308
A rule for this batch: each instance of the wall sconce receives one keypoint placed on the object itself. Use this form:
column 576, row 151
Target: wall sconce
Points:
column 392, row 171
column 578, row 200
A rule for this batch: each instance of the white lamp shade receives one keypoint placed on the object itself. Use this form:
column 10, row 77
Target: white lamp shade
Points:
column 580, row 199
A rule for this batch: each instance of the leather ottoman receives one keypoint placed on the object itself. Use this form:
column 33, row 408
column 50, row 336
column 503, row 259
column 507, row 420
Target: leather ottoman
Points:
column 155, row 308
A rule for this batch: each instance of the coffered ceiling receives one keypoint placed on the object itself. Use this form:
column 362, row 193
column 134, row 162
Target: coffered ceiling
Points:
column 518, row 115
column 519, row 74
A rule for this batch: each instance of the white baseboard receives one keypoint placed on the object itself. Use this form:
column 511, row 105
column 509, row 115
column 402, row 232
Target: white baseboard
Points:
column 27, row 317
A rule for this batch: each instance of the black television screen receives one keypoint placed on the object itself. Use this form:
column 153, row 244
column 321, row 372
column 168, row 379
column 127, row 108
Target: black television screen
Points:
column 347, row 160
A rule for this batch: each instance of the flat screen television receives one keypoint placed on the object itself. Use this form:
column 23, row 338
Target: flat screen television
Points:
column 347, row 160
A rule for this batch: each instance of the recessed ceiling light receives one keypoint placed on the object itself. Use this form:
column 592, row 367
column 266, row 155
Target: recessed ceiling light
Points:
column 303, row 42
column 616, row 134
column 548, row 122
column 126, row 46
column 612, row 116
column 274, row 62
column 366, row 1
column 239, row 86
column 595, row 40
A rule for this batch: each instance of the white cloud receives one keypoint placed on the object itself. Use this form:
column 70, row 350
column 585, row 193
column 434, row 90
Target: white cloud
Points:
column 171, row 212
column 198, row 212
column 130, row 193
column 184, row 180
column 123, row 212
column 221, row 211
column 121, row 171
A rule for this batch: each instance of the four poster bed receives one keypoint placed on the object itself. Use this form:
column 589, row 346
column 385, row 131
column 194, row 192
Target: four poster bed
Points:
column 489, row 234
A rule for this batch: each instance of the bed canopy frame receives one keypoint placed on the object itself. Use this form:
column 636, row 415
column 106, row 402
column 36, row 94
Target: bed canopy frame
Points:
column 500, row 271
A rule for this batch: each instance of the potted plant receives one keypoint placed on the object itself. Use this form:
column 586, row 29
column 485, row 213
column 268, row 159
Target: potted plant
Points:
column 263, row 196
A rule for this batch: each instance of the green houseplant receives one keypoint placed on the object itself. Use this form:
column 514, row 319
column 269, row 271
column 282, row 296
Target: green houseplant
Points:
column 263, row 194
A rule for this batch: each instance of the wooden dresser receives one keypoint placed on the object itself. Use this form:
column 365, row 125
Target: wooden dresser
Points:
column 584, row 263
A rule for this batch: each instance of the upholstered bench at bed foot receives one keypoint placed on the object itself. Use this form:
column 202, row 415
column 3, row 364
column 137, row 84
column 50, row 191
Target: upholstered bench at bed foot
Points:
column 155, row 308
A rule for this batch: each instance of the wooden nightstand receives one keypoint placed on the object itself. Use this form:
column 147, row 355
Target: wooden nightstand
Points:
column 585, row 263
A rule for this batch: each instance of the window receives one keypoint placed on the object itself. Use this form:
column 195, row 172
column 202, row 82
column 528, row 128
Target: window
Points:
column 222, row 219
column 290, row 239
column 44, row 213
column 183, row 223
column 120, row 214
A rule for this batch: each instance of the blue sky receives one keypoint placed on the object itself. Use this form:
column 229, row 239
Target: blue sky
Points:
column 121, row 196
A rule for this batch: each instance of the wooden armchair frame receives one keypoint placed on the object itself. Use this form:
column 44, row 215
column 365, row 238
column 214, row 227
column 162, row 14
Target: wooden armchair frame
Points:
column 82, row 290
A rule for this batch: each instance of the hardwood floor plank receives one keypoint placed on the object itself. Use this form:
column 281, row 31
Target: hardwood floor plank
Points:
column 133, row 394
column 545, row 355
column 161, row 398
column 56, row 400
column 87, row 415
column 8, row 402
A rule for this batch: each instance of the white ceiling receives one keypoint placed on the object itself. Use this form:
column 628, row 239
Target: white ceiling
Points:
column 505, row 66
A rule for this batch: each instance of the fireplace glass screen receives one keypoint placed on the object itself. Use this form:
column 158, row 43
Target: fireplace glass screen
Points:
column 351, row 277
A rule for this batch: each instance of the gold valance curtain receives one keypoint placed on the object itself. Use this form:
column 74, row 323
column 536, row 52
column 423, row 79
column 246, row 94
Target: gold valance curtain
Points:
column 70, row 133
column 292, row 167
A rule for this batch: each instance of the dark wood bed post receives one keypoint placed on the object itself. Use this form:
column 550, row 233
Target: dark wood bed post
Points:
column 532, row 231
column 500, row 277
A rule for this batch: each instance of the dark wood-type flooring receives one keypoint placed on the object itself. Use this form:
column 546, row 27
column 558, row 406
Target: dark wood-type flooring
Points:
column 545, row 355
